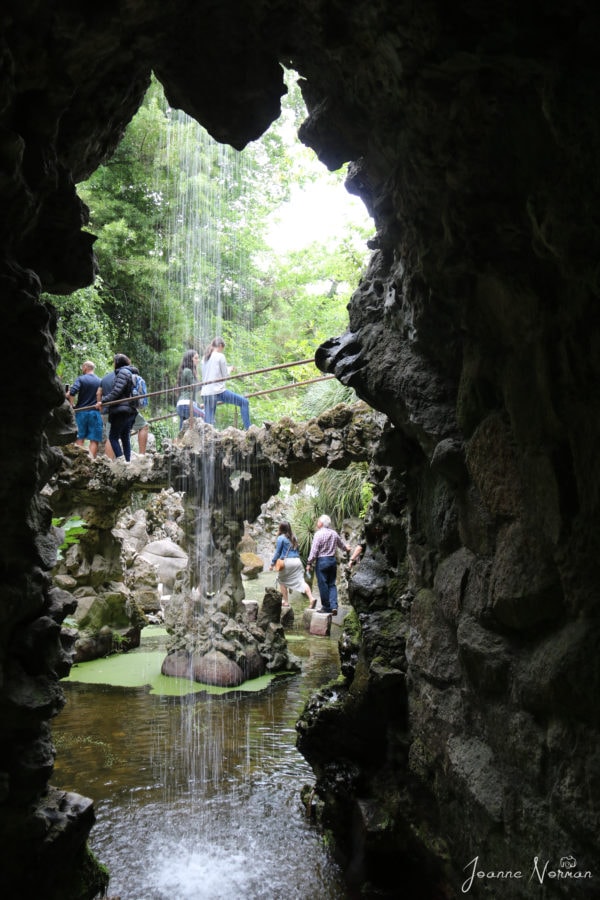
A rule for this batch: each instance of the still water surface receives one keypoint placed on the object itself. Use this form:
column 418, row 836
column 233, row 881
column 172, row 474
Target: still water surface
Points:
column 197, row 797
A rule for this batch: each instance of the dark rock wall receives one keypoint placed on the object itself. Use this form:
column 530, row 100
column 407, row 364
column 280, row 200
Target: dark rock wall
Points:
column 474, row 330
column 470, row 709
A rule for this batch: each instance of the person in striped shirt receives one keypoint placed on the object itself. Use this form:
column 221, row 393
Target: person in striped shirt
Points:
column 323, row 557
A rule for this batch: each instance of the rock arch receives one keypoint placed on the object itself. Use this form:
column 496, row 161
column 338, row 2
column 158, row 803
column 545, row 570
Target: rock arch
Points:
column 225, row 477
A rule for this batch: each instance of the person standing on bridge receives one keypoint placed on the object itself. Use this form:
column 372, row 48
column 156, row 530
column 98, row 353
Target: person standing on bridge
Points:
column 122, row 408
column 214, row 368
column 187, row 379
column 89, row 421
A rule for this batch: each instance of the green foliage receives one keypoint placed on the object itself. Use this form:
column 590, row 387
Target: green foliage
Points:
column 185, row 252
column 341, row 494
column 120, row 644
column 86, row 879
column 304, row 521
column 73, row 527
column 324, row 396
column 84, row 332
column 163, row 430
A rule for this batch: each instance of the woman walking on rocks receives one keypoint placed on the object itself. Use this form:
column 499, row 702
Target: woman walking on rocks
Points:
column 187, row 378
column 291, row 576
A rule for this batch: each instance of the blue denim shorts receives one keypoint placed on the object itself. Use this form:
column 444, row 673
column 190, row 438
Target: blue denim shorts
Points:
column 89, row 425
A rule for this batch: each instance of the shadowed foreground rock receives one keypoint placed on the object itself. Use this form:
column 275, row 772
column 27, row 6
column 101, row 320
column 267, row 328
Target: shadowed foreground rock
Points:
column 468, row 722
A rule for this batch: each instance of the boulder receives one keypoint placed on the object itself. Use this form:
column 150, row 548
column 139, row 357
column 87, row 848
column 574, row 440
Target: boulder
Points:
column 320, row 624
column 177, row 665
column 270, row 611
column 251, row 663
column 216, row 669
column 168, row 558
column 250, row 610
column 252, row 564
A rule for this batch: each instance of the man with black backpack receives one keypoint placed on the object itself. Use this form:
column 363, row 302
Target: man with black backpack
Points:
column 121, row 406
column 140, row 426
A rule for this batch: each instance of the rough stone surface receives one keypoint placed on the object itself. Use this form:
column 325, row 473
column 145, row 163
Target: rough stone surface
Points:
column 320, row 624
column 217, row 669
column 167, row 557
column 252, row 564
column 466, row 726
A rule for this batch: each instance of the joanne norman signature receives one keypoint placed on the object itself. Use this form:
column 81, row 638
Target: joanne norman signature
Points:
column 540, row 871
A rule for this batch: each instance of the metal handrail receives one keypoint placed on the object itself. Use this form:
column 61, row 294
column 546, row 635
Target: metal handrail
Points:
column 196, row 384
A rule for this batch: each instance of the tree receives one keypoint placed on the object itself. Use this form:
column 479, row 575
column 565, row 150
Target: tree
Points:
column 183, row 248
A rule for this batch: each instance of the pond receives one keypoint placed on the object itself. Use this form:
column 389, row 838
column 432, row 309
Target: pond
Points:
column 197, row 795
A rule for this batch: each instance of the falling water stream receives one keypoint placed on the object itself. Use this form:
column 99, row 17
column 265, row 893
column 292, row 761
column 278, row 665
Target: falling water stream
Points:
column 198, row 796
column 206, row 272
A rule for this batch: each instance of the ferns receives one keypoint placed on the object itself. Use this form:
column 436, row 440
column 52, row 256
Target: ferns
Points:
column 341, row 494
column 324, row 395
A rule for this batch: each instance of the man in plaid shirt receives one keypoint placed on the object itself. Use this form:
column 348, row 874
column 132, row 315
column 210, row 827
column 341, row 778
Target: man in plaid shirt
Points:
column 322, row 555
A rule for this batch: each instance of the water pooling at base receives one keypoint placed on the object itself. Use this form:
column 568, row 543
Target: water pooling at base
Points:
column 199, row 797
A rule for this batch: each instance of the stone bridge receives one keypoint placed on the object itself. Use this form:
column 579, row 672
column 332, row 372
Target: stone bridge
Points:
column 228, row 474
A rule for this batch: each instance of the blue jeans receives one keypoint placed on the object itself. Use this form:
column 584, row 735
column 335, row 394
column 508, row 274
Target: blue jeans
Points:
column 120, row 431
column 326, row 572
column 210, row 406
column 184, row 413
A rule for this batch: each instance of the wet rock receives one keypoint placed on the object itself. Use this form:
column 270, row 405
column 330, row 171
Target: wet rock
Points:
column 270, row 611
column 168, row 558
column 320, row 624
column 431, row 645
column 143, row 583
column 287, row 617
column 216, row 669
column 473, row 764
column 525, row 586
column 562, row 673
column 275, row 651
column 251, row 663
column 485, row 655
column 177, row 664
column 492, row 463
column 252, row 564
column 251, row 610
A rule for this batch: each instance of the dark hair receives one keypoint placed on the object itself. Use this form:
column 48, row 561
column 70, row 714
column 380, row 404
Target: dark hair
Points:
column 121, row 360
column 286, row 530
column 187, row 363
column 216, row 342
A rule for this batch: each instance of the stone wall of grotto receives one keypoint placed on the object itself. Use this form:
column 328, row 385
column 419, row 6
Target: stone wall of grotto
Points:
column 468, row 725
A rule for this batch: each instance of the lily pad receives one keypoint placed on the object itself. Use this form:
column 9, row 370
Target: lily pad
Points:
column 141, row 668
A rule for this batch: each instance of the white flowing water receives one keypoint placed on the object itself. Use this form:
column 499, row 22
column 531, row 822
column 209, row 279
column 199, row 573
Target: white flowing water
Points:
column 207, row 270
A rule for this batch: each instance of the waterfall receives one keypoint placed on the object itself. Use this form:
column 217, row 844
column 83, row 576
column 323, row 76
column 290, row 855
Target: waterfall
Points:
column 207, row 269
